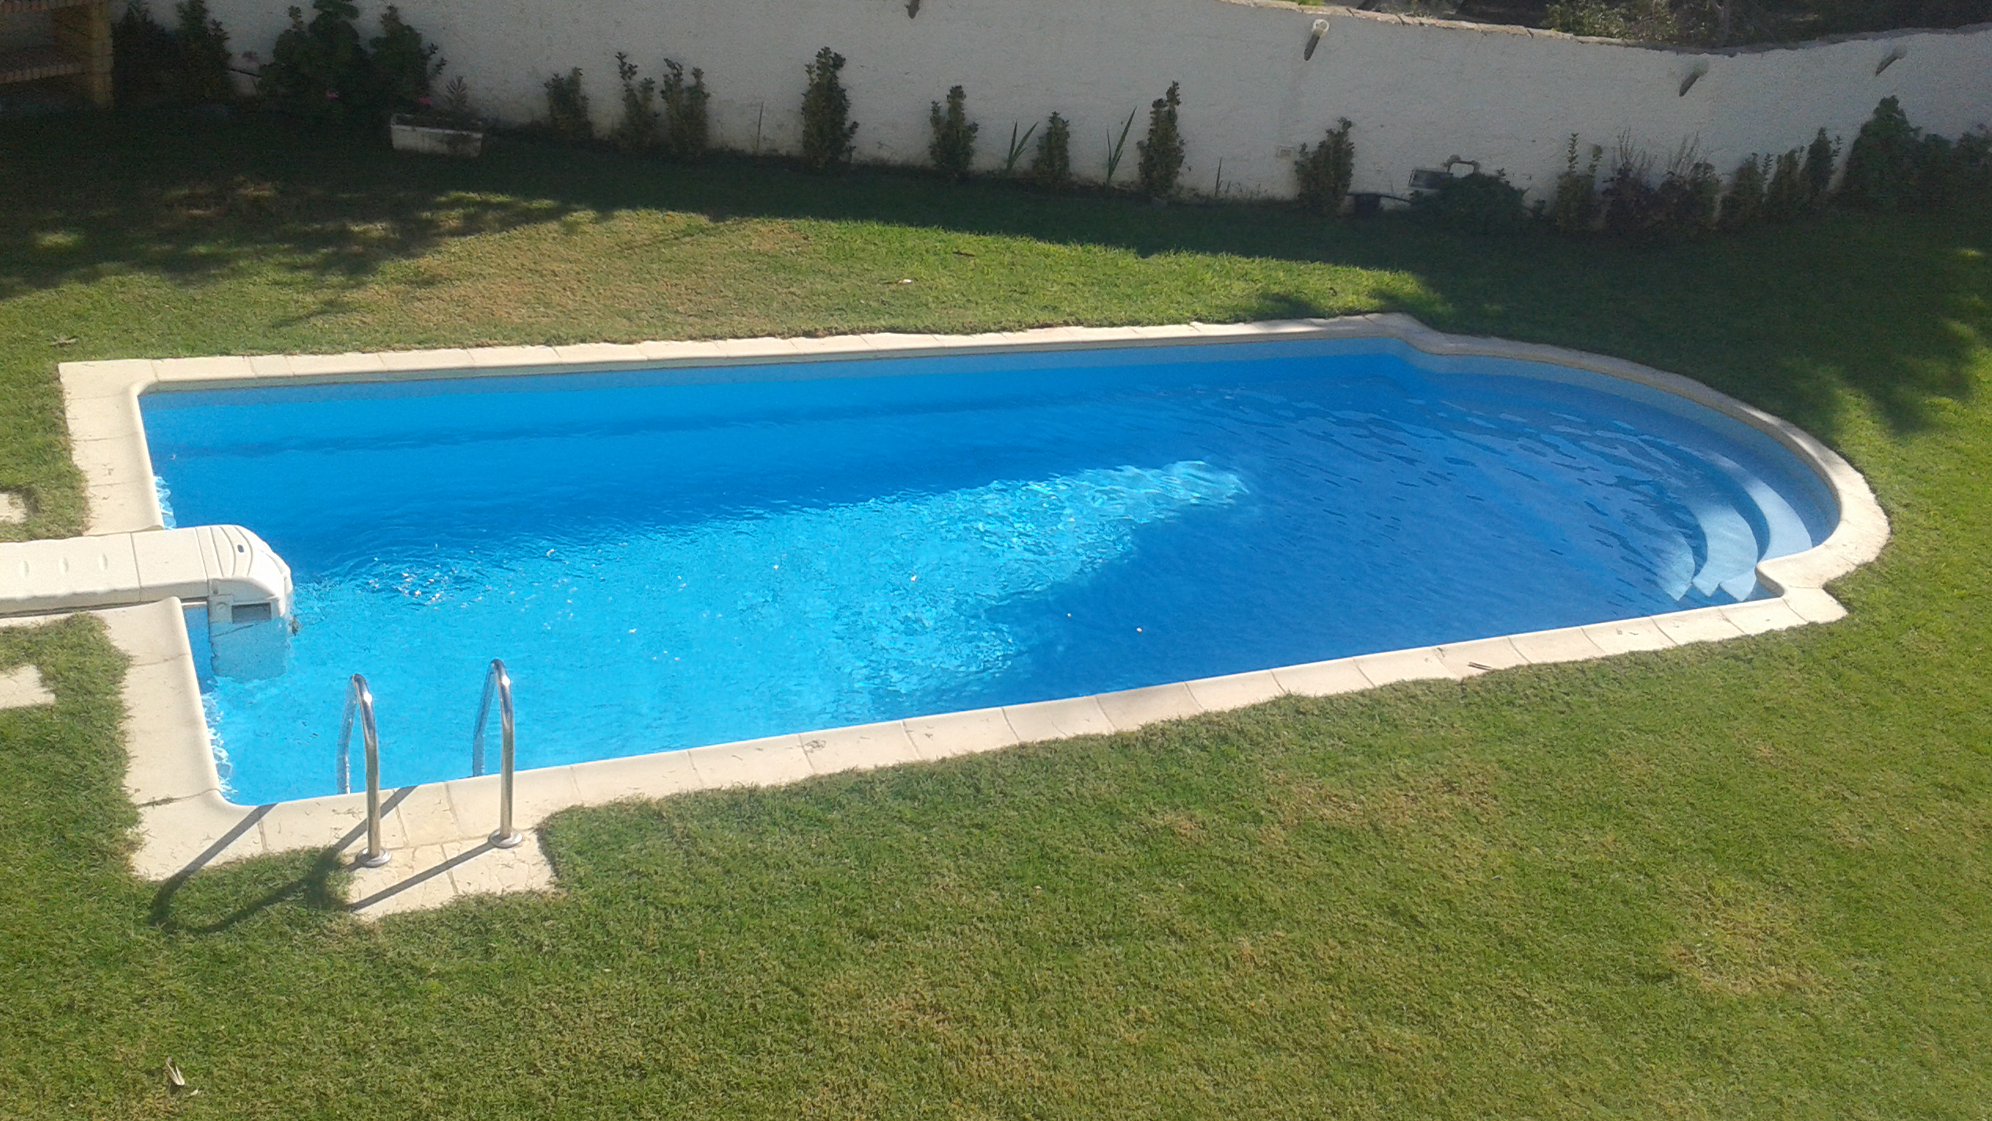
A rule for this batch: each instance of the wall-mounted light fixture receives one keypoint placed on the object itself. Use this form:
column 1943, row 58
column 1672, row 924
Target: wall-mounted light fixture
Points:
column 1314, row 38
column 912, row 8
column 1694, row 75
column 1894, row 56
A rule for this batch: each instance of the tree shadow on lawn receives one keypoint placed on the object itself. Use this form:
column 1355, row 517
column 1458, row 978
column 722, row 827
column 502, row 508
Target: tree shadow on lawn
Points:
column 1894, row 309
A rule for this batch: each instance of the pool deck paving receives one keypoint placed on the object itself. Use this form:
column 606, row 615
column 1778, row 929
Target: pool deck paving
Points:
column 437, row 835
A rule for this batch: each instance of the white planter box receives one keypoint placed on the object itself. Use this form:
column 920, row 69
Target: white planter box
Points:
column 460, row 142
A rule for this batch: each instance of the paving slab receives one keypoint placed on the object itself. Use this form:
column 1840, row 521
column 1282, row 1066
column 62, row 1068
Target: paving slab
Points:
column 13, row 508
column 413, row 879
column 331, row 365
column 1470, row 659
column 1706, row 624
column 764, row 762
column 513, row 357
column 636, row 776
column 1627, row 635
column 121, row 508
column 148, row 633
column 1132, row 708
column 1814, row 605
column 184, row 372
column 1236, row 690
column 1321, row 679
column 960, row 733
column 1057, row 720
column 859, row 748
column 186, row 835
column 1565, row 644
column 176, row 760
column 1403, row 665
column 484, row 869
column 1760, row 616
column 23, row 687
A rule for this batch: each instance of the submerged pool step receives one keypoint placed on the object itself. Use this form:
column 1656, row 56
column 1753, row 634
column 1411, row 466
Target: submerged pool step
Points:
column 235, row 572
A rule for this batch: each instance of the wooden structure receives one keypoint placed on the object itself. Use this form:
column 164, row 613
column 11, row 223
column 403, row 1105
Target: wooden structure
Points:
column 79, row 47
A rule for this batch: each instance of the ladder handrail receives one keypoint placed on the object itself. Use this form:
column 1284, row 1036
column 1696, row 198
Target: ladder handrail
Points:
column 497, row 683
column 359, row 699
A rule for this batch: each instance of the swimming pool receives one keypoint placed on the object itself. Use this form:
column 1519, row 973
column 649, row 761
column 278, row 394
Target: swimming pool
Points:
column 670, row 558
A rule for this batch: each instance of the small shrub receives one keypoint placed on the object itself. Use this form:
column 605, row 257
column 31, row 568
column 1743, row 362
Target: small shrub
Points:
column 1573, row 209
column 953, row 146
column 318, row 71
column 1681, row 207
column 144, row 57
column 1785, row 195
column 685, row 131
column 1821, row 157
column 567, row 107
column 1474, row 203
column 1051, row 164
column 1938, row 184
column 1631, row 205
column 1883, row 161
column 636, row 129
column 1162, row 151
column 1743, row 206
column 1974, row 162
column 1690, row 197
column 401, row 68
column 200, row 74
column 827, row 127
column 1325, row 173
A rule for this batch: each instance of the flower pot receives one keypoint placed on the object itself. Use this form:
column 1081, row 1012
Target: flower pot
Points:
column 410, row 135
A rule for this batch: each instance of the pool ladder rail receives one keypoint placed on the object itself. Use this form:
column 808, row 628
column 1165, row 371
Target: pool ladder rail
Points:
column 359, row 702
column 497, row 683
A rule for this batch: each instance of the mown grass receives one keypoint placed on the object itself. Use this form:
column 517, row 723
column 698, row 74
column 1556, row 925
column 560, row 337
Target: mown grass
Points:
column 1727, row 881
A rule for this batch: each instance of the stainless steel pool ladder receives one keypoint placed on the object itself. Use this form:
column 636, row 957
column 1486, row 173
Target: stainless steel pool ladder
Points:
column 497, row 683
column 360, row 699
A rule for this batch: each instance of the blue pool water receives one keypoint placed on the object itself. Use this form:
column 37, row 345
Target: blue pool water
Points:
column 666, row 565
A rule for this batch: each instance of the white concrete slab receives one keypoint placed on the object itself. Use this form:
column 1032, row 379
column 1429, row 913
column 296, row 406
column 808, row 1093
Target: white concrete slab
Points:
column 1237, row 690
column 764, row 762
column 861, row 747
column 22, row 687
column 1470, row 659
column 1404, row 665
column 178, row 761
column 1321, row 679
column 1057, row 720
column 636, row 776
column 1628, row 635
column 961, row 733
column 1566, row 644
column 13, row 508
column 1129, row 709
column 1707, row 624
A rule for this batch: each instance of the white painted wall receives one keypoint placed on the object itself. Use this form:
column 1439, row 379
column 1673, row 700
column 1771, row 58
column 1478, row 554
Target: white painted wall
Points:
column 1418, row 91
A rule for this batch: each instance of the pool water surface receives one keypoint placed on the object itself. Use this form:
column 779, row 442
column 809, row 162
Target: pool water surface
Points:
column 663, row 565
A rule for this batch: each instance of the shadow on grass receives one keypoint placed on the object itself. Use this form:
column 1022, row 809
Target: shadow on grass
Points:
column 221, row 899
column 1787, row 318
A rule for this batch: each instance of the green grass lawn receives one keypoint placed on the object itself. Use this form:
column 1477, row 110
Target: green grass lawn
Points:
column 1746, row 879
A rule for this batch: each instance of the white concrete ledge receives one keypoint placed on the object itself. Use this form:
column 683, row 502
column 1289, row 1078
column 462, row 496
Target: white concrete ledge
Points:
column 439, row 830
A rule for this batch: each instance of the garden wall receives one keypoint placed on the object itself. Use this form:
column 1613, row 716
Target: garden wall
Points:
column 1418, row 90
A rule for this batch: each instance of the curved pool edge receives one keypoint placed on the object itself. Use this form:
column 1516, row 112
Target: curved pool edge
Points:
column 439, row 828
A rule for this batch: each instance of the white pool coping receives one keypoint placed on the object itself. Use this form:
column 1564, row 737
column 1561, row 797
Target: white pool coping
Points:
column 186, row 823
